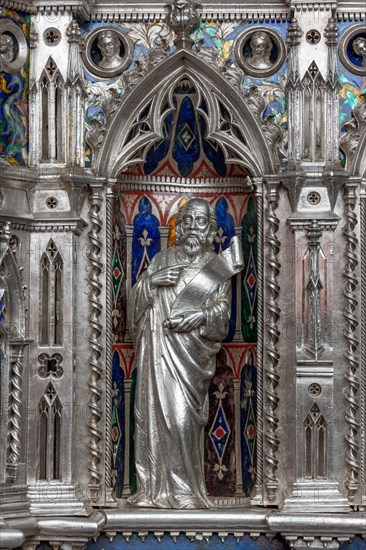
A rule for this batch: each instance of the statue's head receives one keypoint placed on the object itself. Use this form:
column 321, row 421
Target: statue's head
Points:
column 108, row 43
column 261, row 44
column 196, row 226
column 359, row 46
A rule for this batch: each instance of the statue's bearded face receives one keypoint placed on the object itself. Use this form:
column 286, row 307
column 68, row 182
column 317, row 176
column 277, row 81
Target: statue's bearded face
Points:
column 195, row 228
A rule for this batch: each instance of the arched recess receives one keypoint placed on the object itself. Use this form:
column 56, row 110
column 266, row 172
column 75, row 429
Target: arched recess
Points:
column 137, row 124
column 246, row 145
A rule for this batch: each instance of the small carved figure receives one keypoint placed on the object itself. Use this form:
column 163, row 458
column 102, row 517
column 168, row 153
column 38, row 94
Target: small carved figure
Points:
column 359, row 47
column 179, row 314
column 109, row 45
column 261, row 46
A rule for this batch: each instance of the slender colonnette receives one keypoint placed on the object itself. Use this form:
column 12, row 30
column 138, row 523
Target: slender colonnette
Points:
column 95, row 328
column 108, row 402
column 15, row 414
column 272, row 353
column 259, row 458
column 363, row 339
column 352, row 343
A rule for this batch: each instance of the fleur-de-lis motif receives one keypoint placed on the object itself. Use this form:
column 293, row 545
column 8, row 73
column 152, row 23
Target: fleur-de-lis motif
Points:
column 220, row 238
column 221, row 394
column 251, row 320
column 116, row 233
column 251, row 235
column 145, row 240
column 220, row 469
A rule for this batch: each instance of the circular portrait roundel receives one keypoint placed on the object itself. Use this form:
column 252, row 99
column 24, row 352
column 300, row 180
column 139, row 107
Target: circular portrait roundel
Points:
column 107, row 52
column 352, row 49
column 13, row 47
column 260, row 51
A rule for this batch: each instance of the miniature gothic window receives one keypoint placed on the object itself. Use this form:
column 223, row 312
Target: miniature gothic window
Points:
column 315, row 429
column 51, row 297
column 53, row 104
column 314, row 100
column 49, row 437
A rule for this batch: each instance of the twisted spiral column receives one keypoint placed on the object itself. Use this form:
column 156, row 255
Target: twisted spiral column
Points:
column 352, row 343
column 108, row 403
column 272, row 360
column 363, row 340
column 259, row 458
column 95, row 333
column 15, row 412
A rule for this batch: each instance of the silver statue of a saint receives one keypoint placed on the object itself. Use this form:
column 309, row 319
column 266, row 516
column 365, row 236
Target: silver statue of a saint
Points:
column 179, row 314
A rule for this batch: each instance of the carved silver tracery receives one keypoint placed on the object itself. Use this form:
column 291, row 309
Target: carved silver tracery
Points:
column 132, row 148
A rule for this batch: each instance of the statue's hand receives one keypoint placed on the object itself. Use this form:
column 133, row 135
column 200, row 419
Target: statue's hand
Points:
column 166, row 276
column 188, row 321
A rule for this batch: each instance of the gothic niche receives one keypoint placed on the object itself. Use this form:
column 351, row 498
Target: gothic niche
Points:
column 53, row 106
column 315, row 429
column 50, row 326
column 313, row 87
column 148, row 196
column 49, row 435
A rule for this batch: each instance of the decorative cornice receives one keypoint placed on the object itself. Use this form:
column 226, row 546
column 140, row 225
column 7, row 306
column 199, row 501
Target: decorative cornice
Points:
column 171, row 184
column 314, row 5
column 78, row 7
column 74, row 225
column 21, row 5
column 113, row 11
column 351, row 10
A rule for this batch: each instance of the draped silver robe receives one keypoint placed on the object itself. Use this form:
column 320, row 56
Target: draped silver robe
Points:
column 173, row 374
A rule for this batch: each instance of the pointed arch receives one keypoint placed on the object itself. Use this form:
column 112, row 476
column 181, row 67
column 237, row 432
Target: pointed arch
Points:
column 122, row 147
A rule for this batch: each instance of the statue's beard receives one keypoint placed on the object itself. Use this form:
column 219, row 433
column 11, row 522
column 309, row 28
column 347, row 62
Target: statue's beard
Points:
column 193, row 243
